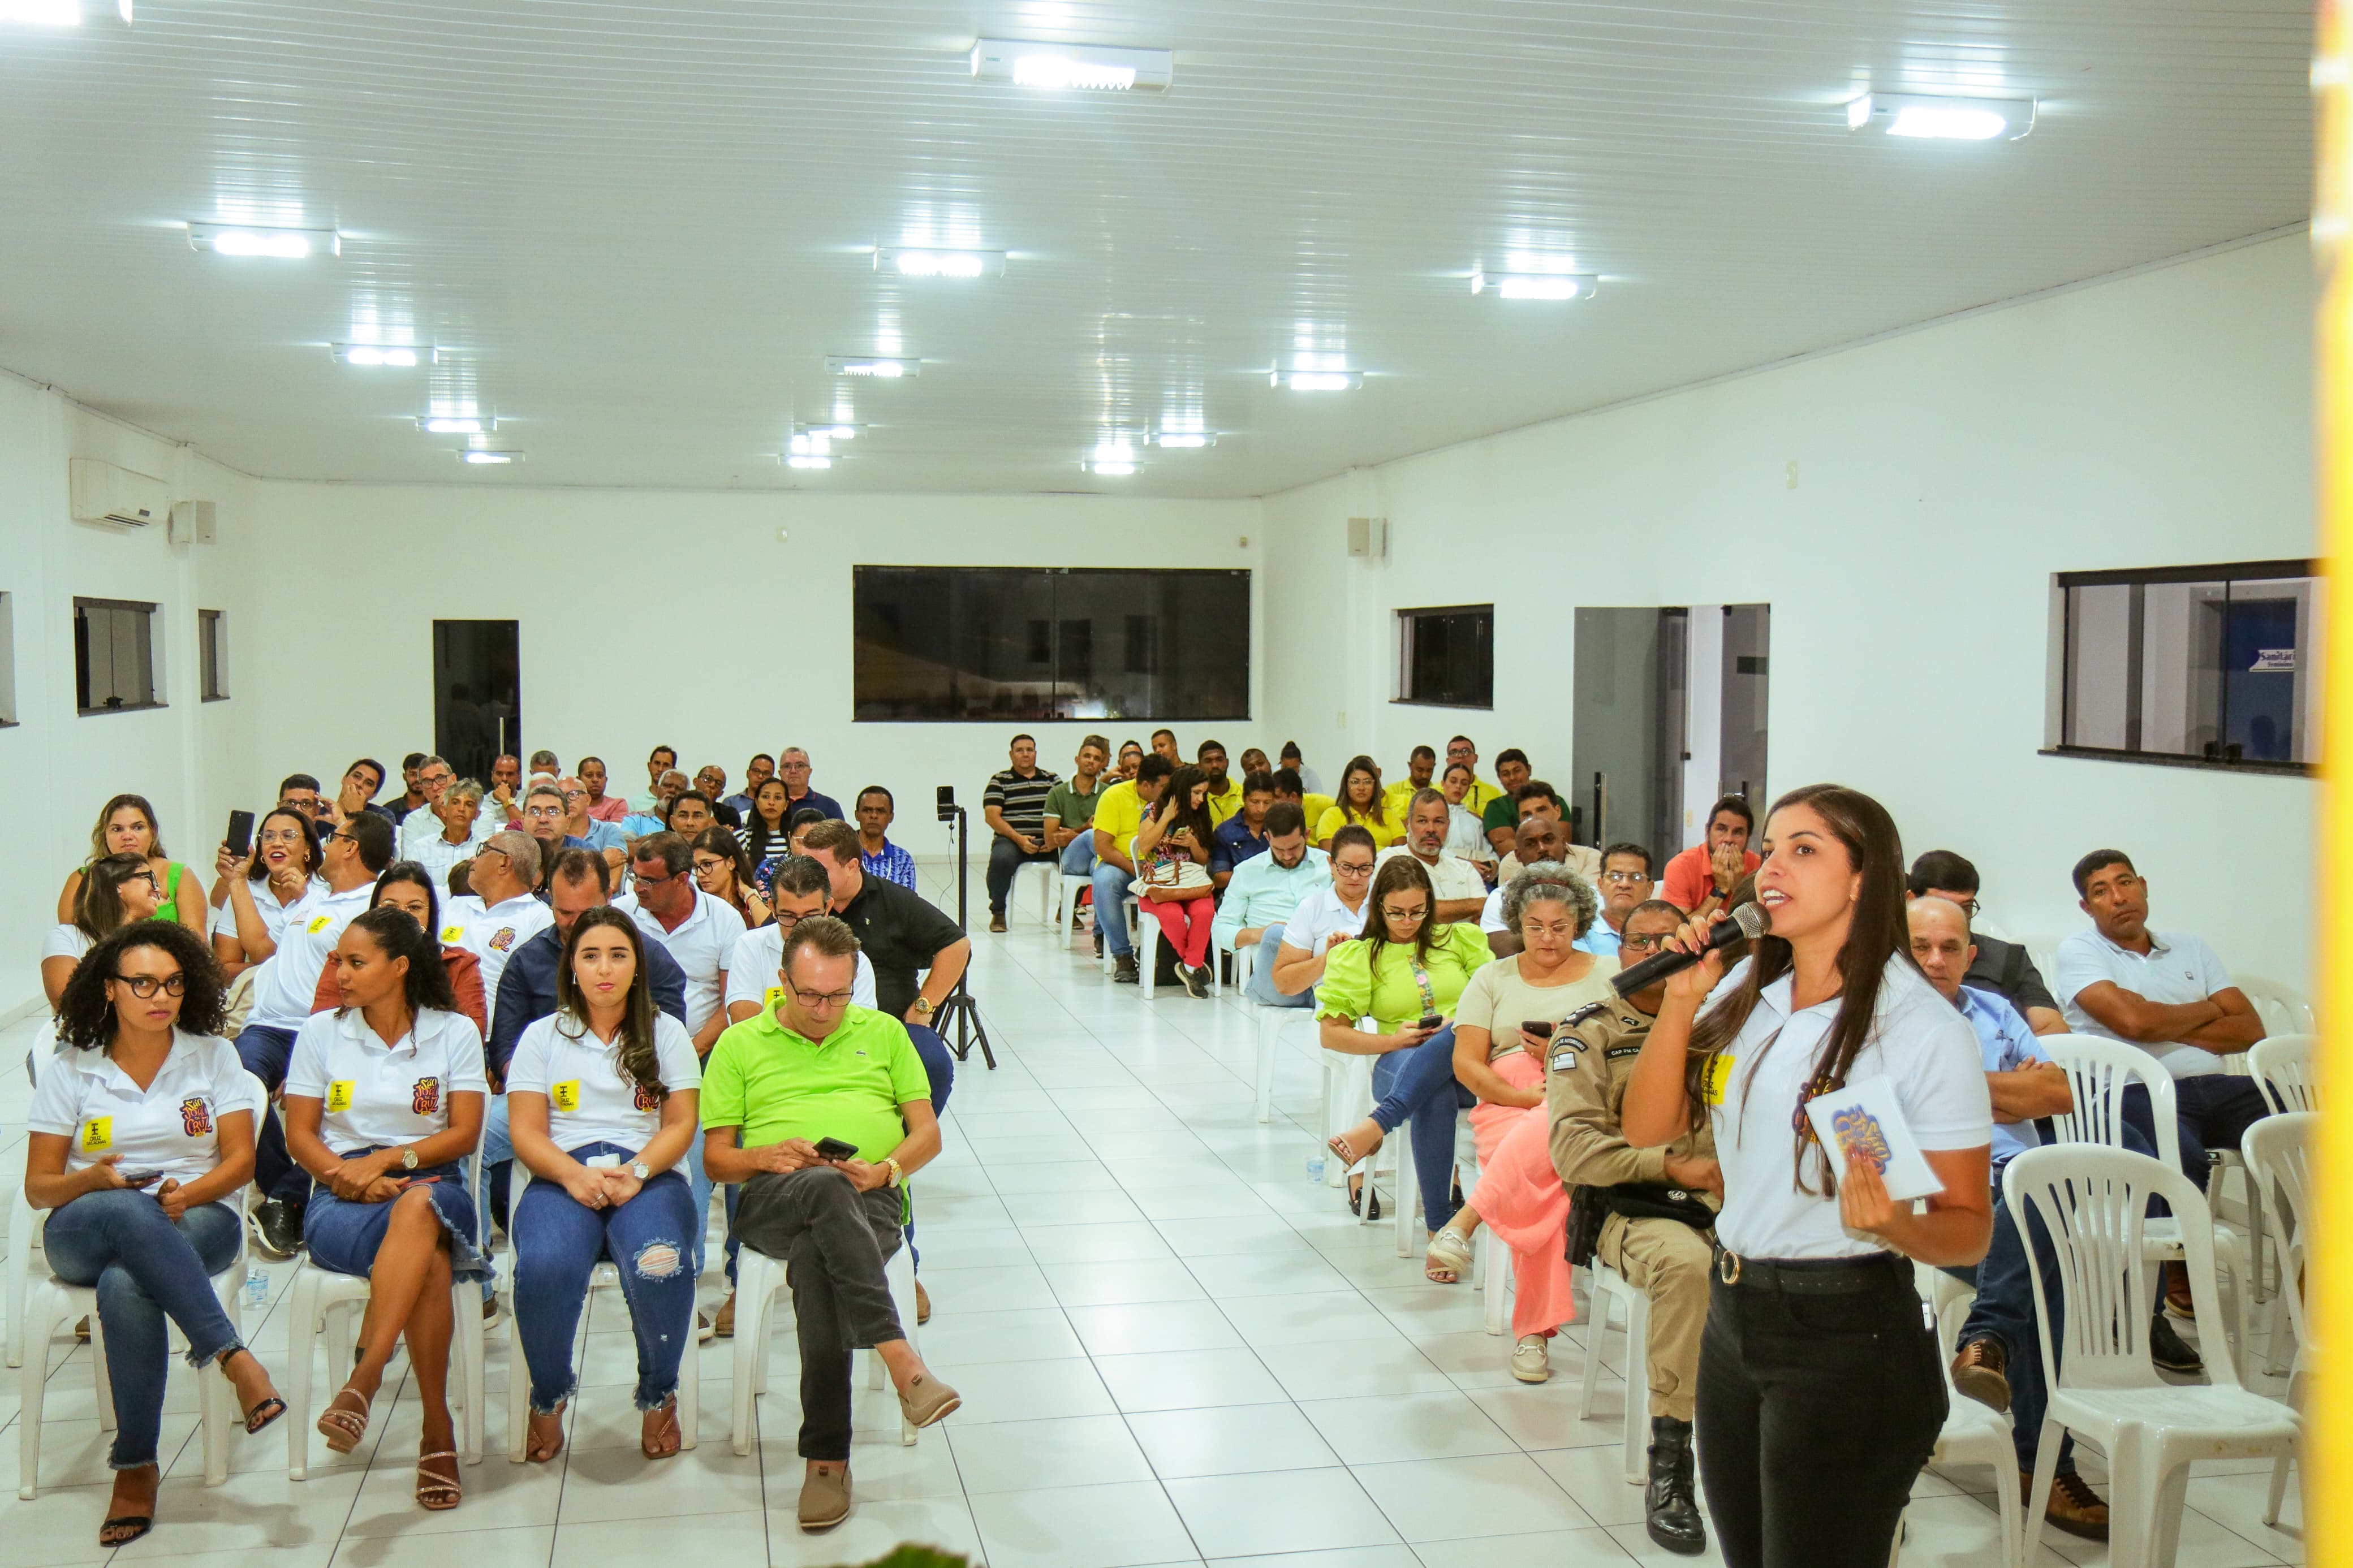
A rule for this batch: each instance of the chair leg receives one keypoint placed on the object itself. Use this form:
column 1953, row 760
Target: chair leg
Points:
column 2005, row 1487
column 45, row 1308
column 753, row 1285
column 1488, row 1252
column 2279, row 1490
column 1148, row 952
column 466, row 1304
column 301, row 1332
column 20, row 1249
column 689, row 1400
column 2037, row 1500
column 1596, row 1328
column 518, row 1383
column 1269, row 1034
column 1638, row 1388
column 1408, row 1188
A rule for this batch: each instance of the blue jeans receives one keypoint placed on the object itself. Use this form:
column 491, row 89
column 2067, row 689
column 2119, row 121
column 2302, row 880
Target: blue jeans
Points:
column 558, row 1241
column 497, row 1155
column 1079, row 855
column 265, row 1053
column 146, row 1268
column 2212, row 1111
column 1111, row 906
column 1261, row 988
column 1417, row 1085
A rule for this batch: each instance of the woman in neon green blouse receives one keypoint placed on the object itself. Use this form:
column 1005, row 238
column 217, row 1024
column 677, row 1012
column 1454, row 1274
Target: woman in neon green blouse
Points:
column 1404, row 970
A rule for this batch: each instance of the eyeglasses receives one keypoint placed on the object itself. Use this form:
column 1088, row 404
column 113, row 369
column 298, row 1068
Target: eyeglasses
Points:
column 1625, row 879
column 1644, row 943
column 146, row 985
column 822, row 1001
column 1412, row 914
column 338, row 833
column 544, row 813
column 285, row 835
column 146, row 877
column 1343, row 868
column 645, row 881
column 705, row 867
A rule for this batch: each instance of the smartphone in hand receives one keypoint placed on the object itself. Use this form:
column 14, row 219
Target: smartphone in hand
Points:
column 1431, row 1021
column 1541, row 1028
column 241, row 834
column 835, row 1149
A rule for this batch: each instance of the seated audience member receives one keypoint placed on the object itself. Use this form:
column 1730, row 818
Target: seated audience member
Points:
column 1482, row 794
column 1699, row 878
column 765, row 834
column 1262, row 895
column 384, row 1101
column 1633, row 1195
column 902, row 933
column 804, row 886
column 497, row 914
column 506, row 779
column 2167, row 992
column 1466, row 836
column 276, row 872
column 815, row 1067
column 412, row 794
column 1362, row 803
column 433, row 777
column 655, row 818
column 1500, row 819
column 1459, row 887
column 1014, row 807
column 1406, row 971
column 1242, row 835
column 1537, row 798
column 463, row 829
column 660, row 760
column 757, row 771
column 724, row 870
column 2000, row 1359
column 116, row 890
column 1324, row 917
column 1164, row 745
column 803, row 820
column 1172, row 874
column 1289, row 757
column 361, row 782
column 710, row 783
column 1288, row 785
column 1421, row 773
column 127, row 826
column 1225, row 796
column 139, row 1139
column 1071, row 808
column 1119, row 817
column 544, row 813
column 593, row 777
column 543, row 762
column 350, row 861
column 877, row 809
column 601, row 1106
column 1254, row 761
column 580, row 829
column 1130, row 753
column 793, row 765
column 690, row 814
column 408, row 887
column 1625, row 884
column 2001, row 967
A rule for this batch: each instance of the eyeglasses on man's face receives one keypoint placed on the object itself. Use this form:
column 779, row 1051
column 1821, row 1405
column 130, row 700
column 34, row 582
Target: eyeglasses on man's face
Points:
column 145, row 986
column 1655, row 942
column 1625, row 879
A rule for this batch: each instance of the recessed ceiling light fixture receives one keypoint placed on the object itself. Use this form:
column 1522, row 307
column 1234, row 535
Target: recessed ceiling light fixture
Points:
column 1101, row 67
column 1940, row 117
column 932, row 261
column 1317, row 380
column 1172, row 440
column 881, row 367
column 392, row 356
column 457, row 424
column 248, row 239
column 489, row 457
column 1536, row 285
column 830, row 431
column 1115, row 457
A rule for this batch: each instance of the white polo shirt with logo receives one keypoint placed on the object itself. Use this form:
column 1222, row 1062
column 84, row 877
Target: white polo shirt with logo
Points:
column 491, row 933
column 265, row 904
column 171, row 1127
column 376, row 1094
column 752, row 970
column 589, row 1099
column 282, row 994
column 2177, row 969
column 702, row 945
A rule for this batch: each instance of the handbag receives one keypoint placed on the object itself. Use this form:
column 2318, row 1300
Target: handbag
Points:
column 1588, row 1207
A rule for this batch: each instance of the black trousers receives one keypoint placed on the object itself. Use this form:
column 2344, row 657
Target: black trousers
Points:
column 1005, row 859
column 832, row 1239
column 1815, row 1412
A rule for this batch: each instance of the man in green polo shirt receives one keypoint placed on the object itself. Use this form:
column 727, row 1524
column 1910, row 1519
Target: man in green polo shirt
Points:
column 1502, row 816
column 810, row 1068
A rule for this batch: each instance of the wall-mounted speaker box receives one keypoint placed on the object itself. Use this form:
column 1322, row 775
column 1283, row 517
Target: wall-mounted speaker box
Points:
column 191, row 522
column 1368, row 537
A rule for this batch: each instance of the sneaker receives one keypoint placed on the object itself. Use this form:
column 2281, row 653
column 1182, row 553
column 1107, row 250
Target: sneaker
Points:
column 703, row 1328
column 1532, row 1360
column 923, row 1305
column 2169, row 1352
column 490, row 1311
column 1982, row 1370
column 1123, row 970
column 997, row 923
column 2177, row 1298
column 724, row 1325
column 2074, row 1507
column 276, row 1228
column 1195, row 979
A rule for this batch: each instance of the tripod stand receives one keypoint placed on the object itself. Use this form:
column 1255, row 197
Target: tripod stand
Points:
column 959, row 1005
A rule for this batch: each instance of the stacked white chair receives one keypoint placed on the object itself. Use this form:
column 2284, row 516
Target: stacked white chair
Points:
column 2282, row 1068
column 2279, row 1156
column 759, row 1280
column 1972, row 1433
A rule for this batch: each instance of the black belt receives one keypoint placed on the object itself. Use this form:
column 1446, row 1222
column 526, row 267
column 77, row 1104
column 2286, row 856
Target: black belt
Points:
column 1812, row 1275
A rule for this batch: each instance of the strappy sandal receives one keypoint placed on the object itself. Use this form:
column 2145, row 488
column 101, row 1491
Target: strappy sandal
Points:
column 263, row 1414
column 668, row 1440
column 531, row 1443
column 1448, row 1253
column 341, row 1427
column 1361, row 1193
column 435, row 1494
column 143, row 1522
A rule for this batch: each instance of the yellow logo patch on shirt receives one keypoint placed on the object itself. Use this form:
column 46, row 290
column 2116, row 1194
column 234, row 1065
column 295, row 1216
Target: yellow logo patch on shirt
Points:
column 96, row 1133
column 319, row 923
column 1719, row 1073
column 452, row 935
column 339, row 1094
column 565, row 1096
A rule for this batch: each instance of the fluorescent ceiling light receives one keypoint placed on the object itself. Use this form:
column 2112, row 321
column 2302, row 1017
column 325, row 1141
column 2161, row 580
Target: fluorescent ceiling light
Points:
column 931, row 261
column 1317, row 380
column 1942, row 118
column 880, row 366
column 1536, row 285
column 488, row 456
column 810, row 444
column 43, row 13
column 1170, row 440
column 1109, row 468
column 246, row 239
column 457, row 424
column 1100, row 68
column 397, row 356
column 807, row 460
column 831, row 432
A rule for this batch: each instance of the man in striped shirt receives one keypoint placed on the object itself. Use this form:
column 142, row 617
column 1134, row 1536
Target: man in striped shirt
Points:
column 1014, row 807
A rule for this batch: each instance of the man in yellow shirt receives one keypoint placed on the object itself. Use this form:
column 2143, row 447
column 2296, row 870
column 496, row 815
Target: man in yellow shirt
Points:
column 1288, row 785
column 1225, row 796
column 1119, row 817
column 1420, row 770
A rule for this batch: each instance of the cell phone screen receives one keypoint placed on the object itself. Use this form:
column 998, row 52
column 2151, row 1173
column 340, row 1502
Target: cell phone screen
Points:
column 835, row 1149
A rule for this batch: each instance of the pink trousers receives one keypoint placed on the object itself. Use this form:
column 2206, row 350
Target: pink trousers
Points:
column 1185, row 926
column 1521, row 1199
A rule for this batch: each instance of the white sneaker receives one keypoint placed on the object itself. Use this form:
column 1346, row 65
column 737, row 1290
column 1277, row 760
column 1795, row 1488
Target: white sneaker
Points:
column 1532, row 1360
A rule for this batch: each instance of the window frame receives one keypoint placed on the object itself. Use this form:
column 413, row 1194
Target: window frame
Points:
column 212, row 655
column 151, row 613
column 2061, row 678
column 9, row 720
column 1407, row 632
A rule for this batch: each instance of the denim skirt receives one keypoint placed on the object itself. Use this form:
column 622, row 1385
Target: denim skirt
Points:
column 343, row 1237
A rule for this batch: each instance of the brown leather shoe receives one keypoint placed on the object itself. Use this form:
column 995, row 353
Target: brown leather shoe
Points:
column 923, row 1304
column 723, row 1325
column 2074, row 1507
column 2178, row 1298
column 1982, row 1370
column 997, row 923
column 825, row 1499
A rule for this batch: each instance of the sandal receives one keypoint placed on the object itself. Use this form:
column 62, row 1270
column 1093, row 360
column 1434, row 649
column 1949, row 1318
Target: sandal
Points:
column 1356, row 1200
column 342, row 1429
column 263, row 1414
column 662, row 1440
column 138, row 1524
column 1449, row 1253
column 433, row 1493
column 535, row 1437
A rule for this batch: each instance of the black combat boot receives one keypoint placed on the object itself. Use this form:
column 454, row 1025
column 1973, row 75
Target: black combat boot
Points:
column 1670, row 1511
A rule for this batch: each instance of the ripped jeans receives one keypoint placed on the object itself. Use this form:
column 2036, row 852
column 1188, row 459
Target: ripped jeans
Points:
column 558, row 1241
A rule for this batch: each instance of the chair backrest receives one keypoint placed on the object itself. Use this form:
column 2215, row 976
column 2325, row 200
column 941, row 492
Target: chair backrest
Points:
column 2279, row 1160
column 2099, row 1072
column 2283, row 1009
column 2283, row 1069
column 2092, row 1202
column 2043, row 951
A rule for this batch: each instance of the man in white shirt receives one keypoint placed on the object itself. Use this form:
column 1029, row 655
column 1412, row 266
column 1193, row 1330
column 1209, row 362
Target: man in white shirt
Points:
column 458, row 817
column 433, row 777
column 800, row 887
column 1264, row 893
column 1328, row 915
column 1543, row 838
column 1455, row 883
column 700, row 931
column 351, row 859
column 499, row 915
column 1539, row 804
column 2167, row 992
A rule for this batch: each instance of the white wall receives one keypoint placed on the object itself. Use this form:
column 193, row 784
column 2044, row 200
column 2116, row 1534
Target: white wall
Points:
column 2162, row 417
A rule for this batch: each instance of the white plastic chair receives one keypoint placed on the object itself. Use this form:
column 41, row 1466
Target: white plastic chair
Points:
column 1050, row 886
column 1134, row 918
column 2093, row 1202
column 1606, row 1285
column 1066, row 900
column 759, row 1279
column 2282, row 1066
column 602, row 1276
column 53, row 1302
column 24, row 1227
column 1972, row 1433
column 2283, row 1008
column 2098, row 1071
column 2279, row 1155
column 1147, row 955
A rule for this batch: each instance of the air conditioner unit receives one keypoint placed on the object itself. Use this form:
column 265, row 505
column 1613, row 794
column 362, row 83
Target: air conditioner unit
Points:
column 102, row 493
column 191, row 522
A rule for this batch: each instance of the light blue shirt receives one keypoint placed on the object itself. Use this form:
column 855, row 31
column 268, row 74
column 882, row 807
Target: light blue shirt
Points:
column 603, row 835
column 1263, row 893
column 1601, row 941
column 2007, row 1044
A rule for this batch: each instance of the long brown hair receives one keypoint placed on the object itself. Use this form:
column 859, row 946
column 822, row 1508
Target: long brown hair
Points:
column 1379, row 811
column 1876, row 932
column 156, row 850
column 1179, row 795
column 98, row 907
column 634, row 1041
column 1401, row 872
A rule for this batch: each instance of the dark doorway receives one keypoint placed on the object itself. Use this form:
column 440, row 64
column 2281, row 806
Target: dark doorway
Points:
column 1747, row 646
column 1630, row 702
column 477, row 694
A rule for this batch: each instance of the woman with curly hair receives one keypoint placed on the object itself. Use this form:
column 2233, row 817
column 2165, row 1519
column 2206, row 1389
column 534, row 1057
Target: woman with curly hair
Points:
column 141, row 1129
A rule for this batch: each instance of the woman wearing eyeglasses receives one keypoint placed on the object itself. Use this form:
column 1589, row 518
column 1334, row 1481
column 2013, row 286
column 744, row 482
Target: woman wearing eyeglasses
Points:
column 114, row 890
column 140, row 1132
column 601, row 1102
column 1362, row 804
column 256, row 889
column 722, row 867
column 127, row 826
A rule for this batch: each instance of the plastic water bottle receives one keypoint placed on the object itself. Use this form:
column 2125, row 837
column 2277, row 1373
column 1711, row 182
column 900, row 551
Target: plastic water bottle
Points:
column 1316, row 1167
column 257, row 1287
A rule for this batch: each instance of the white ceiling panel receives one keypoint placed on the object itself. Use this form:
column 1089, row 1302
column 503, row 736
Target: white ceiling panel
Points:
column 635, row 231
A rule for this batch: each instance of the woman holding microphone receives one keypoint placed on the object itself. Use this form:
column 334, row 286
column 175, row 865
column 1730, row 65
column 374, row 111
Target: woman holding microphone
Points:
column 1820, row 1390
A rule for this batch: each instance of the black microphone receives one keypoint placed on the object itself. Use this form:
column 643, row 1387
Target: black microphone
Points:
column 1747, row 921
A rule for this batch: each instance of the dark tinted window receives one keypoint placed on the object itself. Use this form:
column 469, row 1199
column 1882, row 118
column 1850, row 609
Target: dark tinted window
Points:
column 1446, row 656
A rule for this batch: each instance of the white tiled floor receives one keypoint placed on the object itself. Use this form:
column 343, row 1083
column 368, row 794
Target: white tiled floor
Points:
column 1173, row 1349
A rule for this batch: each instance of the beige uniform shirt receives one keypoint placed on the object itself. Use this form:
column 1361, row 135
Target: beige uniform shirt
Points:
column 1585, row 1095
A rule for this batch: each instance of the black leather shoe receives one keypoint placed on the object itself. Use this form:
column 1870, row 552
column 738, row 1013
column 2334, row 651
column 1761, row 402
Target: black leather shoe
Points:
column 2169, row 1352
column 1123, row 972
column 276, row 1228
column 1670, row 1511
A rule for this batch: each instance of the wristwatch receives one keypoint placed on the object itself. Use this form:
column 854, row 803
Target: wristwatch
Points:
column 408, row 1157
column 637, row 1169
column 896, row 1176
column 924, row 1006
